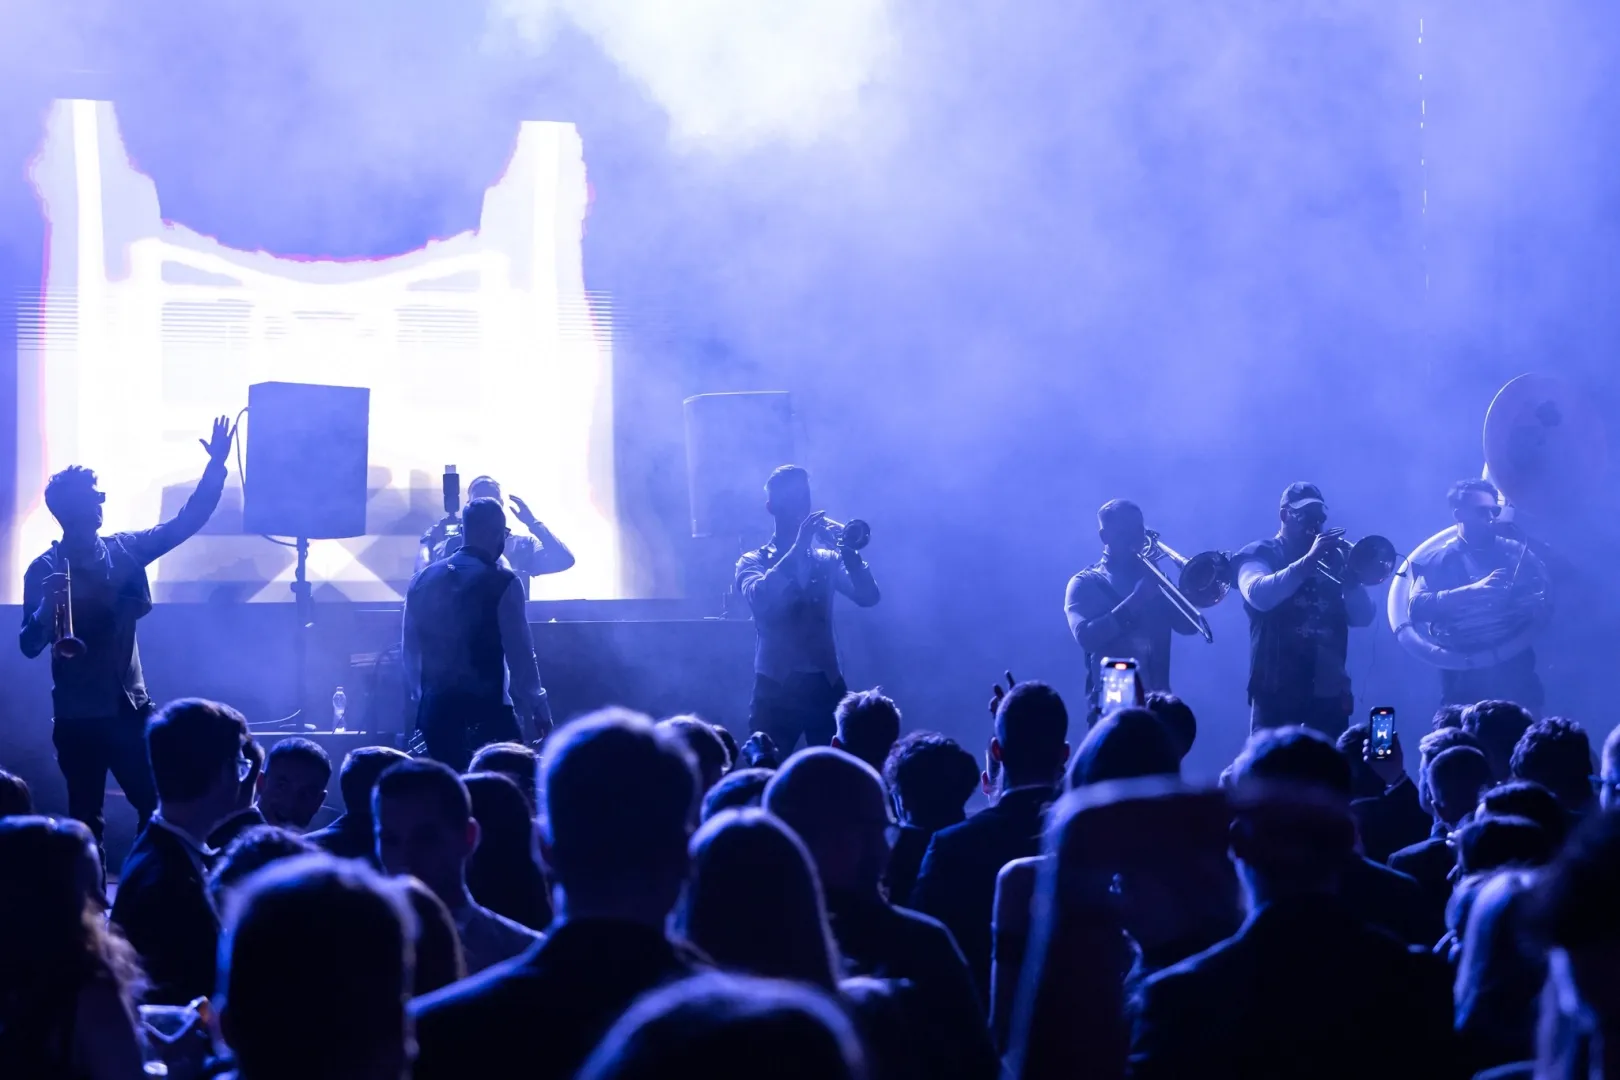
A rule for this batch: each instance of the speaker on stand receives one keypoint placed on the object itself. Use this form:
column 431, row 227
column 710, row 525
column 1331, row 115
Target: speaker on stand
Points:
column 733, row 442
column 305, row 478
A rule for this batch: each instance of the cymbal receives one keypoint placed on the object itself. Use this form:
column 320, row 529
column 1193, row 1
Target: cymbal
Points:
column 1545, row 448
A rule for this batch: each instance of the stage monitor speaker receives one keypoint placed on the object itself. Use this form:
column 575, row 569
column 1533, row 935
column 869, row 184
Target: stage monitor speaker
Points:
column 306, row 460
column 733, row 441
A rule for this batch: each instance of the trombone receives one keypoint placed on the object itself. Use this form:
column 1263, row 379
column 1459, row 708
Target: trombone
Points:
column 1204, row 581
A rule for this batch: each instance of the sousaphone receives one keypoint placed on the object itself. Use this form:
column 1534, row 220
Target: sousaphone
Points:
column 1544, row 446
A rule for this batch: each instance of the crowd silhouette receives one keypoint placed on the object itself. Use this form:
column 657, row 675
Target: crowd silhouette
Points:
column 642, row 899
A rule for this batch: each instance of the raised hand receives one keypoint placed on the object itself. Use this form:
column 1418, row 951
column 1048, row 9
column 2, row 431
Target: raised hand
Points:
column 522, row 511
column 997, row 692
column 808, row 529
column 218, row 444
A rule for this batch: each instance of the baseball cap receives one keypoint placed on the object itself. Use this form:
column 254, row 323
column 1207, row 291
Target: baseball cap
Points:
column 1298, row 496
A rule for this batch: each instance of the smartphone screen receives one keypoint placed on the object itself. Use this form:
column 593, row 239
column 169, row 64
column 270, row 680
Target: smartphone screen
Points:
column 1381, row 739
column 1118, row 683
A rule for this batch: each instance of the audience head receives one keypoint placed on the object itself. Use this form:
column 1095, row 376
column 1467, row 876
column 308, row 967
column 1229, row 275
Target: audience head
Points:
column 253, row 753
column 868, row 726
column 53, row 936
column 1031, row 732
column 252, row 851
column 198, row 764
column 1576, row 909
column 729, row 741
column 1491, row 843
column 1455, row 779
column 425, row 827
column 1497, row 725
column 1447, row 716
column 931, row 779
column 1124, row 745
column 504, row 872
column 1431, row 746
column 736, row 791
column 1177, row 717
column 1527, row 799
column 754, row 903
column 15, row 798
column 359, row 774
column 1609, row 771
column 293, row 786
column 1352, row 743
column 1556, row 754
column 437, row 945
column 620, row 803
column 514, row 761
column 316, row 952
column 707, row 748
column 837, row 806
column 1291, row 830
column 722, row 1027
column 483, row 526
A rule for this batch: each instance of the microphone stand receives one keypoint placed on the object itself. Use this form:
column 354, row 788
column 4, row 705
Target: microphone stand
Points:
column 304, row 608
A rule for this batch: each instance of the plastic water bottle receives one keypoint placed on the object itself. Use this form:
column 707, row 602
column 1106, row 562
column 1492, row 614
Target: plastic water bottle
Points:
column 340, row 705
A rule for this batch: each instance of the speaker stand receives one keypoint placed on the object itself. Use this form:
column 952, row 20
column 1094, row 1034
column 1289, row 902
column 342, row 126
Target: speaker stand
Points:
column 304, row 607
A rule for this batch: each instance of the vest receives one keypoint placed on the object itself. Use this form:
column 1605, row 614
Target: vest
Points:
column 1289, row 643
column 454, row 603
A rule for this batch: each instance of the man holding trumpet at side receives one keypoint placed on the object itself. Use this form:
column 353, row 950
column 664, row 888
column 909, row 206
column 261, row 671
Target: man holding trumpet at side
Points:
column 98, row 695
column 789, row 585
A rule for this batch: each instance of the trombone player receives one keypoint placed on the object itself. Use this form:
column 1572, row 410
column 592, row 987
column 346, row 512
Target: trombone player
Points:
column 1117, row 608
column 1302, row 598
column 98, row 694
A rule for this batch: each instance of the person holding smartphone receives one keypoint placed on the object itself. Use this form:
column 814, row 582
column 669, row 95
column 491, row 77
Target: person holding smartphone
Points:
column 1115, row 607
column 1299, row 620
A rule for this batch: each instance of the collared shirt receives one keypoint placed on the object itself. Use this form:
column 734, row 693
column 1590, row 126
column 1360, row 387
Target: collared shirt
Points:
column 1095, row 606
column 110, row 592
column 458, row 661
column 201, row 854
column 488, row 938
column 792, row 606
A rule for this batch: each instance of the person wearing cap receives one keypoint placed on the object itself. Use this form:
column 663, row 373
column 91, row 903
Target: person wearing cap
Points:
column 1475, row 587
column 526, row 556
column 1299, row 620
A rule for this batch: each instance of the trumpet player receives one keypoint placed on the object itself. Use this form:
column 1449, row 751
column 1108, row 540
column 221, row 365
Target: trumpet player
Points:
column 1300, row 619
column 1116, row 608
column 1478, row 586
column 98, row 696
column 789, row 585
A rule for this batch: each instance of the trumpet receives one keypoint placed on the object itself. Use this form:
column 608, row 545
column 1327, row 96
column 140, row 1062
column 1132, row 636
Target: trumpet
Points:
column 64, row 645
column 1204, row 582
column 1369, row 561
column 854, row 536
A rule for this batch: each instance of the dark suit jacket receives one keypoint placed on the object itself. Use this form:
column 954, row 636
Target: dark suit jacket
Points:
column 1391, row 821
column 349, row 837
column 1391, row 901
column 904, row 861
column 1430, row 864
column 162, row 907
column 1304, row 989
column 234, row 826
column 942, row 1009
column 539, row 1015
column 957, row 882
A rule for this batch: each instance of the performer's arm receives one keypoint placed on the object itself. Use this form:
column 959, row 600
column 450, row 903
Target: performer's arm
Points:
column 767, row 588
column 854, row 579
column 152, row 544
column 550, row 555
column 36, row 620
column 518, row 644
column 1093, row 620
